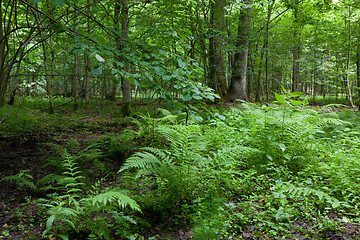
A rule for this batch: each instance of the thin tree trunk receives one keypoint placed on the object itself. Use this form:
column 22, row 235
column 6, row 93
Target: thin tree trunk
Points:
column 348, row 59
column 296, row 52
column 266, row 44
column 87, row 63
column 46, row 65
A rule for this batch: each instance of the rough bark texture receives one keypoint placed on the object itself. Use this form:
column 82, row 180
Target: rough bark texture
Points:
column 237, row 88
column 121, row 14
column 217, row 79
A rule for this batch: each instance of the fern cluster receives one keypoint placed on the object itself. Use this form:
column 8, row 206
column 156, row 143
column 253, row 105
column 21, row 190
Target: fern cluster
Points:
column 75, row 205
column 242, row 155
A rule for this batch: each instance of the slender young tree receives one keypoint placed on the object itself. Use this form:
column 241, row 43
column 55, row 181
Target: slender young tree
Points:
column 349, row 57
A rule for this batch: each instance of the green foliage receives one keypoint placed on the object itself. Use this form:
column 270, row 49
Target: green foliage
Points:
column 293, row 191
column 18, row 119
column 218, row 175
column 22, row 179
column 77, row 208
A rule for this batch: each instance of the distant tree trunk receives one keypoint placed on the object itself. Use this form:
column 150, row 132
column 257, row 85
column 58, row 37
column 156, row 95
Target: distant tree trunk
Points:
column 87, row 63
column 48, row 78
column 3, row 75
column 217, row 79
column 121, row 14
column 358, row 74
column 348, row 59
column 74, row 84
column 266, row 44
column 237, row 88
column 296, row 52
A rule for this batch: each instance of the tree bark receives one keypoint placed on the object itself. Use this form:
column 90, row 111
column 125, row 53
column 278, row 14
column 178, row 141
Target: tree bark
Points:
column 296, row 52
column 121, row 14
column 237, row 88
column 48, row 78
column 348, row 59
column 217, row 78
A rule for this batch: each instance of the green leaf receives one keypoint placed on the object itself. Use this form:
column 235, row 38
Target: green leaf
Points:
column 97, row 70
column 179, row 105
column 99, row 58
column 280, row 98
column 181, row 63
column 297, row 103
column 186, row 97
column 159, row 71
column 200, row 119
column 166, row 77
column 58, row 28
column 281, row 146
column 296, row 94
column 285, row 91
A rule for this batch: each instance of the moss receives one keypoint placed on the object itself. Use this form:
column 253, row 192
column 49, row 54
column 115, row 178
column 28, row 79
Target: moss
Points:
column 126, row 109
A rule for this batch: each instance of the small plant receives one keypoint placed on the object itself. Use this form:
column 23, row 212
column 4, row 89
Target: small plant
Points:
column 22, row 179
column 77, row 209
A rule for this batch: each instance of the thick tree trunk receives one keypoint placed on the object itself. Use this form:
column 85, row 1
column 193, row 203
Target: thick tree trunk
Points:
column 217, row 78
column 237, row 88
column 121, row 13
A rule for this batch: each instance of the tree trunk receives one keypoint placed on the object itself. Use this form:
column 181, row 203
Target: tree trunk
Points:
column 3, row 74
column 121, row 12
column 348, row 59
column 296, row 52
column 217, row 79
column 237, row 88
column 49, row 82
column 87, row 63
column 266, row 44
column 358, row 75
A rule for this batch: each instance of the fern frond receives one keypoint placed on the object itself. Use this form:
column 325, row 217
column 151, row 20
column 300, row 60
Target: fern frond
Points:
column 119, row 197
column 141, row 160
column 294, row 191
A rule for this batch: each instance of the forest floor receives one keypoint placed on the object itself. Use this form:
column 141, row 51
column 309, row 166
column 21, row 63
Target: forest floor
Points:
column 20, row 217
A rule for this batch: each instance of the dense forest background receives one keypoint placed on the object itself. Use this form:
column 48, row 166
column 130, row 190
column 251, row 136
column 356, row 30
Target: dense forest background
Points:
column 180, row 119
column 242, row 49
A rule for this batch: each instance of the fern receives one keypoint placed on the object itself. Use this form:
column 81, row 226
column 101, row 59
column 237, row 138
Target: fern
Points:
column 74, row 205
column 294, row 191
column 22, row 179
column 149, row 161
column 117, row 196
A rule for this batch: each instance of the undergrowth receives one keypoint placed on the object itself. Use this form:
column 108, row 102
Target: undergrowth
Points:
column 246, row 172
